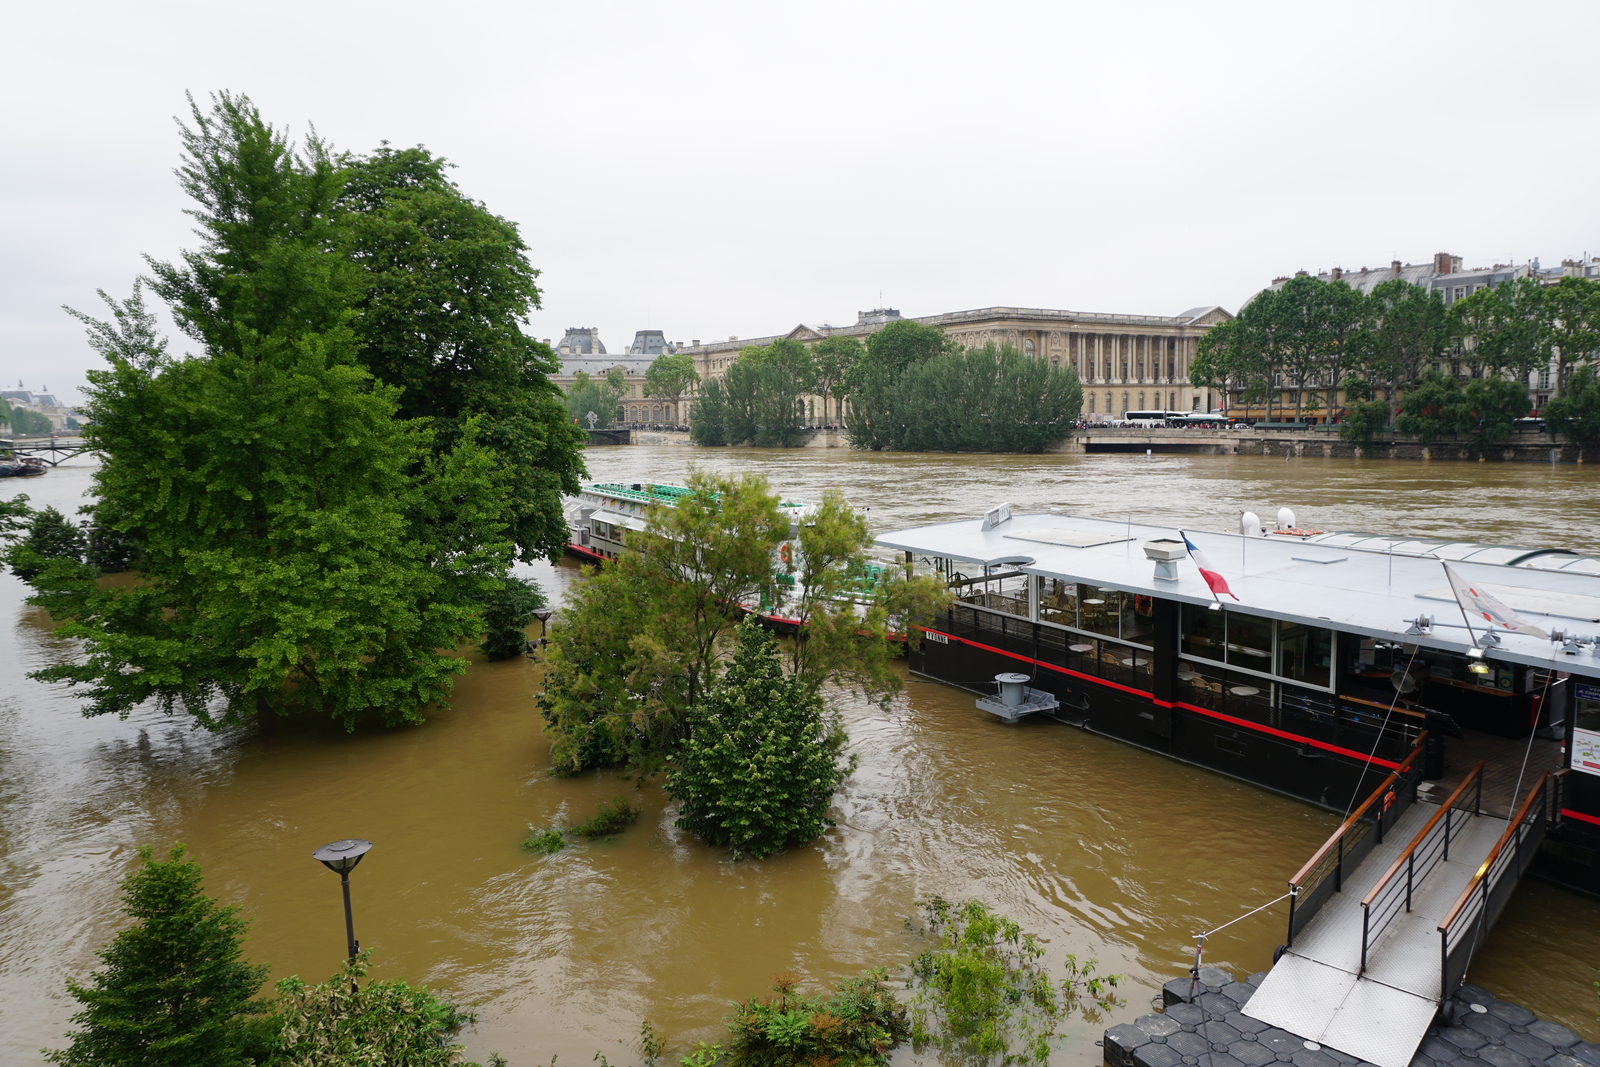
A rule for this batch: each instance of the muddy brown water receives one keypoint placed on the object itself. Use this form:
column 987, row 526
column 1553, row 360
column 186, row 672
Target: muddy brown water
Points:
column 1105, row 850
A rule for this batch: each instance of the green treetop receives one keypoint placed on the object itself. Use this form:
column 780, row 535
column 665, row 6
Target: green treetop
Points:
column 670, row 376
column 173, row 988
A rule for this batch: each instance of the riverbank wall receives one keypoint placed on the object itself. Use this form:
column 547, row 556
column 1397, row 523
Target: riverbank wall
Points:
column 1210, row 1029
column 812, row 438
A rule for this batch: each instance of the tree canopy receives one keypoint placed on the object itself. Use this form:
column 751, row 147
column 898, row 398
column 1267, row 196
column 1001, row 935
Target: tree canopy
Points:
column 988, row 399
column 670, row 376
column 310, row 533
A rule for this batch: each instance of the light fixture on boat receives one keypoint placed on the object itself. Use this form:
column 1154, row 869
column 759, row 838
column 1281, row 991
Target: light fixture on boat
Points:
column 1474, row 652
column 1478, row 667
column 1489, row 639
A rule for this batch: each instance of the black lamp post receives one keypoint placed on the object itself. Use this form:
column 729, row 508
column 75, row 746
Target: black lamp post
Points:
column 342, row 856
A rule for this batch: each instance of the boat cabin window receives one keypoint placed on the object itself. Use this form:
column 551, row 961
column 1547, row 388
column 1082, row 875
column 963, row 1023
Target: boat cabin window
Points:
column 604, row 529
column 1098, row 610
column 1287, row 650
column 1005, row 590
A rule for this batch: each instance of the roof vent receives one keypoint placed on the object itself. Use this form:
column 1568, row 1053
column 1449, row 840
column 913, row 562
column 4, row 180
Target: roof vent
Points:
column 1285, row 519
column 1166, row 553
column 1250, row 524
column 1016, row 699
column 996, row 516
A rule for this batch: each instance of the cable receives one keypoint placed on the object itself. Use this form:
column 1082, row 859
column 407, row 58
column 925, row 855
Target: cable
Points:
column 1532, row 733
column 1379, row 739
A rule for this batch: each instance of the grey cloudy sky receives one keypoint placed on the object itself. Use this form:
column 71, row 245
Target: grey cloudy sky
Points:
column 712, row 169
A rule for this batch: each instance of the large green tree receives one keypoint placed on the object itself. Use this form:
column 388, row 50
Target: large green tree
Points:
column 1504, row 328
column 602, row 396
column 1572, row 325
column 831, row 361
column 173, row 988
column 1406, row 331
column 670, row 376
column 445, row 290
column 303, row 543
column 762, row 392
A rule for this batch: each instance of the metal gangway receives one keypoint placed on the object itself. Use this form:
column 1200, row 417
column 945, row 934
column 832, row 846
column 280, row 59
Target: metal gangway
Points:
column 1385, row 917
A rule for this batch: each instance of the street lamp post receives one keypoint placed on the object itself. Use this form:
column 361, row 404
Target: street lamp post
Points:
column 342, row 856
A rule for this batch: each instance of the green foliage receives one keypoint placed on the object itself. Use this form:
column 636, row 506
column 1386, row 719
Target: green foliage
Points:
column 312, row 535
column 547, row 841
column 760, row 764
column 709, row 424
column 1405, row 329
column 982, row 993
column 603, row 398
column 831, row 362
column 615, row 815
column 851, row 611
column 174, row 988
column 856, row 1024
column 704, row 1055
column 24, row 421
column 1484, row 410
column 341, row 1023
column 1575, row 414
column 989, row 399
column 51, row 535
column 670, row 376
column 1506, row 326
column 445, row 287
column 1363, row 420
column 107, row 549
column 1436, row 408
column 760, row 395
column 506, row 614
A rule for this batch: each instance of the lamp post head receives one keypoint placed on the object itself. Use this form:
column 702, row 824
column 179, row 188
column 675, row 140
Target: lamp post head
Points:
column 342, row 856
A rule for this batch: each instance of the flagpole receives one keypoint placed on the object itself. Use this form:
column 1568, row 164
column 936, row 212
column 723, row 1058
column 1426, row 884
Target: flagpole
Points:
column 1459, row 605
column 1214, row 594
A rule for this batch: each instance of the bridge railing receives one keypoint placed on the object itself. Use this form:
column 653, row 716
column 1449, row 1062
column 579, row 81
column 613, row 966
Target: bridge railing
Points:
column 1323, row 874
column 1426, row 851
column 1467, row 925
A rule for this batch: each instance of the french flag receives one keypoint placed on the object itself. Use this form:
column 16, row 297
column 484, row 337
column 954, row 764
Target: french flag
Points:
column 1214, row 579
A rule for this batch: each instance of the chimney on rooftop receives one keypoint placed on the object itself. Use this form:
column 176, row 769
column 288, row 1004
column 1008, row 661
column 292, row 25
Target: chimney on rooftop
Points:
column 1445, row 263
column 1337, row 273
column 1394, row 265
column 1301, row 274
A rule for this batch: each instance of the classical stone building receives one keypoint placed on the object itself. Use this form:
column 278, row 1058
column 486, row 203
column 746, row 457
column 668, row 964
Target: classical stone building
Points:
column 582, row 350
column 1126, row 362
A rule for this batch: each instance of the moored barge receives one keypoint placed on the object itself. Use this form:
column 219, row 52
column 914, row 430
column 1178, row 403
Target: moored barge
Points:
column 1340, row 653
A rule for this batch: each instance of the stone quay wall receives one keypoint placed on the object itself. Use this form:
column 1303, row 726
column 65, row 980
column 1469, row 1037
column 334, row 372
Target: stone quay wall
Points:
column 1473, row 1029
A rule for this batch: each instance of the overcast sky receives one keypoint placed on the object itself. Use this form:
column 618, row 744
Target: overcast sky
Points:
column 733, row 169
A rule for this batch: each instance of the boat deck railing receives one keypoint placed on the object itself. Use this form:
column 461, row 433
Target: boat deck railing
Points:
column 1325, row 872
column 1397, row 887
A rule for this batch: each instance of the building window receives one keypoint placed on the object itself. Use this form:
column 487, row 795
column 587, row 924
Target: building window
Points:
column 1544, row 378
column 1291, row 651
column 1091, row 403
column 1196, row 404
column 1461, row 291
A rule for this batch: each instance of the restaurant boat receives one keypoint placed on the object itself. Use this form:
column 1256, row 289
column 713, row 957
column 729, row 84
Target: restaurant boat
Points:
column 1340, row 655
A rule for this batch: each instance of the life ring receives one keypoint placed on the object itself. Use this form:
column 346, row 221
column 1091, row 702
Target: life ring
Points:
column 785, row 554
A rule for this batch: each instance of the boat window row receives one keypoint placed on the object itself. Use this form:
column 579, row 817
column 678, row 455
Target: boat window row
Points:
column 1270, row 648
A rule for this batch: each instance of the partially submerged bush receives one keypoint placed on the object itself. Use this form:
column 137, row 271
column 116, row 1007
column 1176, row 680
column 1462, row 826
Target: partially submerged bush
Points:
column 614, row 816
column 857, row 1024
column 547, row 840
column 982, row 992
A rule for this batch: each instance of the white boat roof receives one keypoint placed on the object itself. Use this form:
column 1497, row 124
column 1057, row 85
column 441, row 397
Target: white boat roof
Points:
column 1349, row 588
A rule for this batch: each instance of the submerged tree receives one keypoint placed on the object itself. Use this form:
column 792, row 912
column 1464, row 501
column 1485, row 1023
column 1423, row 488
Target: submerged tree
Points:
column 173, row 988
column 760, row 764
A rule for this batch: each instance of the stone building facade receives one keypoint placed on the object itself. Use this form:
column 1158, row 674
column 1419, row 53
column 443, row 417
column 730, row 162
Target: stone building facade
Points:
column 582, row 350
column 1126, row 362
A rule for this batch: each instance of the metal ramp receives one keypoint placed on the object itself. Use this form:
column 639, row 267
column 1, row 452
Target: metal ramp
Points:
column 1386, row 916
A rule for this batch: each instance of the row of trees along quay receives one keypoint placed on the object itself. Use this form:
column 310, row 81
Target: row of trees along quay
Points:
column 909, row 388
column 329, row 494
column 668, row 378
column 1399, row 358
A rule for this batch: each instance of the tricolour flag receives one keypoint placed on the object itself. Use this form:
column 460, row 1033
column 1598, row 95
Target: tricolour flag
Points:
column 1475, row 602
column 1214, row 579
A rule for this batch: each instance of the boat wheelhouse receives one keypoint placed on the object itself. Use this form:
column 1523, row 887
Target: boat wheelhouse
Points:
column 1341, row 652
column 606, row 510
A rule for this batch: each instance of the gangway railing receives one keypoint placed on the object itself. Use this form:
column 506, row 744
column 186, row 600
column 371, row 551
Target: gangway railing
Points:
column 1431, row 847
column 1323, row 874
column 1466, row 926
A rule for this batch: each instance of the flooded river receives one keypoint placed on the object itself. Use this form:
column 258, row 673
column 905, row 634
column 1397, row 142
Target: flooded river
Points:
column 1105, row 850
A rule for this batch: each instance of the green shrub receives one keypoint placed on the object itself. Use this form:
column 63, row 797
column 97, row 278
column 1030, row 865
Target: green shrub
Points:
column 1575, row 414
column 857, row 1024
column 614, row 816
column 982, row 992
column 546, row 841
column 341, row 1023
column 506, row 615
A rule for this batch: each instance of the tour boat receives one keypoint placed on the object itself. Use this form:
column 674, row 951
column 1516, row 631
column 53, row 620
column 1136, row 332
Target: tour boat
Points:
column 1315, row 668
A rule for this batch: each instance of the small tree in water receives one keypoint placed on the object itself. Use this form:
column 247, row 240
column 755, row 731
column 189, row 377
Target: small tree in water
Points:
column 760, row 763
column 51, row 535
column 174, row 989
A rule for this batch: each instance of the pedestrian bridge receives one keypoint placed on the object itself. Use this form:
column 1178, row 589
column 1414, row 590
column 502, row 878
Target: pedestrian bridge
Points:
column 1385, row 917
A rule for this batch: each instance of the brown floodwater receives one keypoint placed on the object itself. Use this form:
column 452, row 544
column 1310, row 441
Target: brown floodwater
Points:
column 1105, row 850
